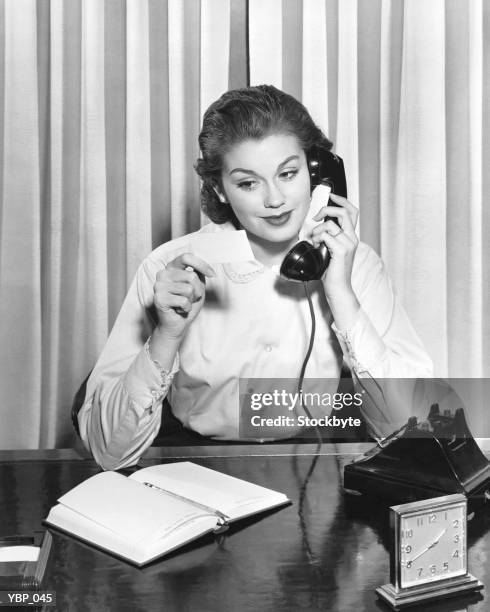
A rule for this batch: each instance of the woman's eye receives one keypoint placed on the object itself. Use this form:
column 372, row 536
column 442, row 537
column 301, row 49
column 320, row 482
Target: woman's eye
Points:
column 288, row 174
column 247, row 185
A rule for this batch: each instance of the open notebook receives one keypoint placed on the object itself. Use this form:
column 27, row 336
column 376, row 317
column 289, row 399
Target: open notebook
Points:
column 157, row 509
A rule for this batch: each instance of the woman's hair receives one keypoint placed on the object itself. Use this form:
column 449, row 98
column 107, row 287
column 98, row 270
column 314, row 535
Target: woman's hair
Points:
column 251, row 113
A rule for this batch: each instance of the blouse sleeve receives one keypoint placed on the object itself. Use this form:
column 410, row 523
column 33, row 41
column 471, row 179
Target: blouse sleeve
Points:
column 382, row 347
column 121, row 414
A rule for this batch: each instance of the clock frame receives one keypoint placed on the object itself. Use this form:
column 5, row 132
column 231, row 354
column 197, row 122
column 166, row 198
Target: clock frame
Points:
column 428, row 552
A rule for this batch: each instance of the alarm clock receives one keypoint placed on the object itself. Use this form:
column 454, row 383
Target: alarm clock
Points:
column 428, row 554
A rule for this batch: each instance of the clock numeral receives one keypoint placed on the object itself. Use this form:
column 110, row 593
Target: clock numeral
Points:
column 445, row 567
column 456, row 539
column 408, row 565
column 407, row 533
column 420, row 521
column 408, row 548
column 432, row 518
column 432, row 569
column 456, row 523
column 456, row 553
column 421, row 571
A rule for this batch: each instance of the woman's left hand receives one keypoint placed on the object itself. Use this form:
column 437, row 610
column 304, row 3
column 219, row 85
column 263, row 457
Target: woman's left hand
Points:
column 342, row 244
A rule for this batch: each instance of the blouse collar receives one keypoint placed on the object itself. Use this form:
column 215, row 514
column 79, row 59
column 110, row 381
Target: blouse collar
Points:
column 241, row 271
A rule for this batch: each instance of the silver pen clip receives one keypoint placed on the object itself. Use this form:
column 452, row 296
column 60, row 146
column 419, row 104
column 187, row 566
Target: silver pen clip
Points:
column 222, row 524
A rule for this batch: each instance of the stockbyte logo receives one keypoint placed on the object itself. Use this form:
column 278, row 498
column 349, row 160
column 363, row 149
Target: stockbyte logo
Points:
column 278, row 409
column 274, row 409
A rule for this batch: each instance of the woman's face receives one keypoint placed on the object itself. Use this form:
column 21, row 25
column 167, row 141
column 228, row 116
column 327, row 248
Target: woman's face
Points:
column 267, row 185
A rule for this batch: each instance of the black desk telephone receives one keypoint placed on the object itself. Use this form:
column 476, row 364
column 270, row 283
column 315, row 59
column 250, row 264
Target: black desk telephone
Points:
column 430, row 459
column 304, row 262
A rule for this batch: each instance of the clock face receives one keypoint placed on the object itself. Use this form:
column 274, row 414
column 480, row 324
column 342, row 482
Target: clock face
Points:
column 432, row 545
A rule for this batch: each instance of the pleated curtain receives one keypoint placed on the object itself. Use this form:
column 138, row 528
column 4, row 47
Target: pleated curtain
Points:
column 100, row 107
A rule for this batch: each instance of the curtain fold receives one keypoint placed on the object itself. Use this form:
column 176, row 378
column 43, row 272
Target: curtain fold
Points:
column 215, row 54
column 346, row 135
column 100, row 107
column 184, row 112
column 20, row 245
column 215, row 50
column 52, row 226
column 265, row 42
column 314, row 75
column 419, row 204
column 91, row 271
column 464, row 186
column 138, row 135
column 485, row 190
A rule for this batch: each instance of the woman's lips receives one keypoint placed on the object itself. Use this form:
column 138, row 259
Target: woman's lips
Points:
column 276, row 220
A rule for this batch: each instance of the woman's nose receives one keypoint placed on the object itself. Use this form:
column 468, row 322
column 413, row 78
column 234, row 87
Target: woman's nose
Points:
column 273, row 196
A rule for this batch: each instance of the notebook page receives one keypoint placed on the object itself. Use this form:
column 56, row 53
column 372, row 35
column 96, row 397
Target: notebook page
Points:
column 128, row 508
column 139, row 552
column 210, row 488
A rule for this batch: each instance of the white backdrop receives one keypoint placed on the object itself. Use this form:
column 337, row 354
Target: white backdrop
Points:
column 100, row 107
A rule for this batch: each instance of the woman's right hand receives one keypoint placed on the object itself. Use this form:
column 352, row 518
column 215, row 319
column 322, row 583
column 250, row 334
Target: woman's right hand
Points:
column 178, row 294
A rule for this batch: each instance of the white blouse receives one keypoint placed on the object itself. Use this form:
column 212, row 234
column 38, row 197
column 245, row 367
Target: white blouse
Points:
column 253, row 324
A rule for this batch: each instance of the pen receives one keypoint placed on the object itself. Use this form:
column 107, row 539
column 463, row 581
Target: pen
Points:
column 223, row 518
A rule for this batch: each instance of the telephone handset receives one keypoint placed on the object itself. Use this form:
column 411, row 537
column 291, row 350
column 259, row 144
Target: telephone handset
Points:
column 304, row 262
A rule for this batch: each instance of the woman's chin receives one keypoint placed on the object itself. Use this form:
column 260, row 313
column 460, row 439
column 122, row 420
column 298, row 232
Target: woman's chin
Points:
column 278, row 238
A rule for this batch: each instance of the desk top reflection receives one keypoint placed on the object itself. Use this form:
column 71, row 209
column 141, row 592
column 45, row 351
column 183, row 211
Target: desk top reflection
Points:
column 324, row 552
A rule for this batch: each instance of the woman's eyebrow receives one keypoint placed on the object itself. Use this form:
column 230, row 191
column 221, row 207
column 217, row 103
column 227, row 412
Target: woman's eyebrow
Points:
column 244, row 170
column 286, row 161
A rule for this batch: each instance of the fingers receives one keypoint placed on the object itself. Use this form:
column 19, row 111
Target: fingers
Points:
column 336, row 239
column 184, row 283
column 181, row 284
column 187, row 260
column 344, row 226
column 341, row 214
column 344, row 202
column 343, row 209
column 193, row 291
column 179, row 303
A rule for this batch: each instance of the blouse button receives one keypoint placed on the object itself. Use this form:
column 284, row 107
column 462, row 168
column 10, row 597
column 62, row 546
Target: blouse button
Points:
column 268, row 348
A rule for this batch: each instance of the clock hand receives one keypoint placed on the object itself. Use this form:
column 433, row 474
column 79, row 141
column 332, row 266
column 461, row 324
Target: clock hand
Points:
column 431, row 545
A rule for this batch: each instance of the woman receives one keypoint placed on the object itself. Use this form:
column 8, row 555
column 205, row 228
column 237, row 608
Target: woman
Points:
column 194, row 330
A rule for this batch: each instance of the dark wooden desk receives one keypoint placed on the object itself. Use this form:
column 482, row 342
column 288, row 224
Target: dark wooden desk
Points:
column 320, row 553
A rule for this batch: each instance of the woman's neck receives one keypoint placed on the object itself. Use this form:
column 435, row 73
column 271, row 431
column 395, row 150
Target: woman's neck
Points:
column 269, row 253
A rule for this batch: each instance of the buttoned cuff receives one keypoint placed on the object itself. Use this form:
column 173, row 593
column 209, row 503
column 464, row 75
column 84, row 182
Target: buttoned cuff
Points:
column 362, row 344
column 146, row 382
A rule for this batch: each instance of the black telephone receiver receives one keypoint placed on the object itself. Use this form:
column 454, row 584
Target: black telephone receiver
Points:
column 304, row 262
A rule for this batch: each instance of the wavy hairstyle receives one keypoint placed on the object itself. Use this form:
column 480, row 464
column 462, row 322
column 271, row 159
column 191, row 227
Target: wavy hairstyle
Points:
column 251, row 113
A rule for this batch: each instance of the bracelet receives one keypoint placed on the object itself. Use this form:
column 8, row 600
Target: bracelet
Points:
column 166, row 376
